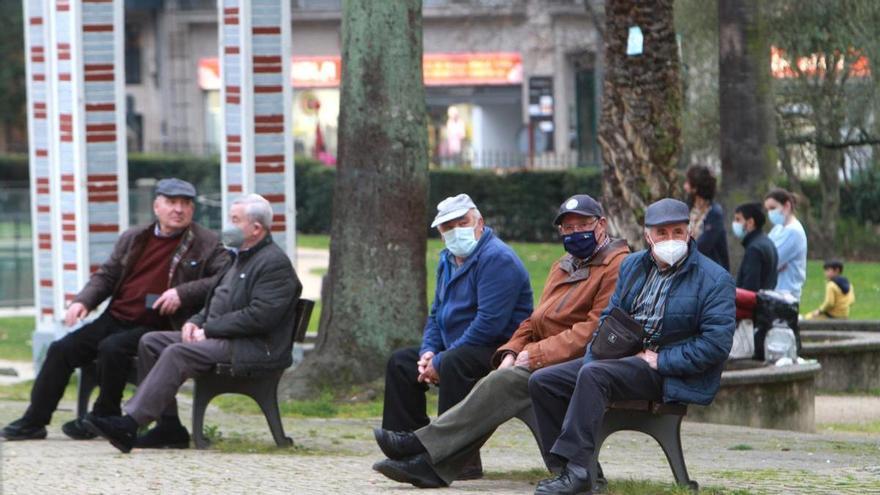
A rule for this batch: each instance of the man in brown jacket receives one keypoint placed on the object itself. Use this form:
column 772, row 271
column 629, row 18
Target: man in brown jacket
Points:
column 156, row 278
column 577, row 289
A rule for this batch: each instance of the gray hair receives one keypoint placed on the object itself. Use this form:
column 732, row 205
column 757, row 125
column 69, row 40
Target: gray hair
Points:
column 257, row 209
column 477, row 214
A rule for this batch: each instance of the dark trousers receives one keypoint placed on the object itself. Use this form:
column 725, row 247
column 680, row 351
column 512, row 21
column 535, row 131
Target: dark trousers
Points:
column 460, row 369
column 108, row 341
column 164, row 363
column 570, row 400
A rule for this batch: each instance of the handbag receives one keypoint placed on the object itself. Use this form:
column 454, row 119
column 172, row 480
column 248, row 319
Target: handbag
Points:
column 618, row 336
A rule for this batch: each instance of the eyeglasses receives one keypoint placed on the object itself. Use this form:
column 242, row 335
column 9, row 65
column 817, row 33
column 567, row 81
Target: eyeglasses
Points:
column 571, row 228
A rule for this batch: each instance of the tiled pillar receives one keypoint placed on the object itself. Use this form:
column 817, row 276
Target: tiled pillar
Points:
column 86, row 167
column 257, row 155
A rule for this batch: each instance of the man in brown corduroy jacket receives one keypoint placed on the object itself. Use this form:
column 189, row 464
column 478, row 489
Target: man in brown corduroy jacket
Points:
column 576, row 292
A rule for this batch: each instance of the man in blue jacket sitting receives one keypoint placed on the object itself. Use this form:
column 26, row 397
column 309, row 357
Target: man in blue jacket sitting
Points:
column 685, row 303
column 482, row 294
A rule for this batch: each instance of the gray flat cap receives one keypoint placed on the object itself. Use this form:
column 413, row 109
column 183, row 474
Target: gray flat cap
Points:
column 451, row 208
column 665, row 212
column 174, row 187
column 580, row 204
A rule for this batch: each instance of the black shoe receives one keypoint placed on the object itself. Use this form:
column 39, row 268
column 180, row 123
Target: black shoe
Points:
column 567, row 483
column 76, row 430
column 165, row 435
column 415, row 470
column 473, row 470
column 121, row 431
column 398, row 445
column 22, row 429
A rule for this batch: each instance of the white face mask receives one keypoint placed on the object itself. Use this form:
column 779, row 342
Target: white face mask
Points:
column 671, row 251
column 461, row 241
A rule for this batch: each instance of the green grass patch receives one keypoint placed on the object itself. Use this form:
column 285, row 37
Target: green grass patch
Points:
column 313, row 241
column 22, row 391
column 240, row 444
column 15, row 338
column 741, row 446
column 328, row 404
column 871, row 427
column 615, row 487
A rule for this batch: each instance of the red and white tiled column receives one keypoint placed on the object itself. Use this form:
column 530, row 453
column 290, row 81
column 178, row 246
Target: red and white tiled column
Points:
column 78, row 146
column 257, row 156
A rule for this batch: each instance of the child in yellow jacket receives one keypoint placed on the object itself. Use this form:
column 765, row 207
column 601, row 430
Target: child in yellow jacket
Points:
column 839, row 293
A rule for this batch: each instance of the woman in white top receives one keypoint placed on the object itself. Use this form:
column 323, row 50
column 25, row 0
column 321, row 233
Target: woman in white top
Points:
column 790, row 239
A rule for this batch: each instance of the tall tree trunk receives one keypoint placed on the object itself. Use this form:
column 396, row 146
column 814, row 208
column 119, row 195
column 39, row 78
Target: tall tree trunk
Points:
column 640, row 129
column 377, row 253
column 748, row 150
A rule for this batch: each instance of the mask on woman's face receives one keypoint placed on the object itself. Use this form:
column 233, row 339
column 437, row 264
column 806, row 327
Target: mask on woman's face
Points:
column 461, row 241
column 581, row 245
column 739, row 230
column 671, row 251
column 776, row 216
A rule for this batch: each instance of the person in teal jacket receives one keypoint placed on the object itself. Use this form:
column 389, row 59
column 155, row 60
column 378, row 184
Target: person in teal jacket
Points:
column 685, row 303
column 482, row 294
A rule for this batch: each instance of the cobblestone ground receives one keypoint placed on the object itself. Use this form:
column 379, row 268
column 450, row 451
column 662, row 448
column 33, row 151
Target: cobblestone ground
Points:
column 335, row 455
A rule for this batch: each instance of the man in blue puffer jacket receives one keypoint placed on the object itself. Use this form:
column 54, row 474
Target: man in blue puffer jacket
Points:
column 685, row 303
column 482, row 294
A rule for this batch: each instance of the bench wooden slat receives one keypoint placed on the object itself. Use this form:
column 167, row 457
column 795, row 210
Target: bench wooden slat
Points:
column 649, row 406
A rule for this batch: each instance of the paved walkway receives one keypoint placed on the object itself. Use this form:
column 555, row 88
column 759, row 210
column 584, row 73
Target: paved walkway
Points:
column 335, row 455
column 309, row 261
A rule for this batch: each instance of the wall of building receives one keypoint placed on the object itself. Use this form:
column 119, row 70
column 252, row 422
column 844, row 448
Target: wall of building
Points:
column 546, row 33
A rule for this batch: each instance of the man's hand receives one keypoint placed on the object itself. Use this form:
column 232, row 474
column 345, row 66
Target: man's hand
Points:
column 522, row 360
column 168, row 302
column 198, row 335
column 187, row 332
column 75, row 312
column 650, row 357
column 430, row 374
column 508, row 361
column 424, row 360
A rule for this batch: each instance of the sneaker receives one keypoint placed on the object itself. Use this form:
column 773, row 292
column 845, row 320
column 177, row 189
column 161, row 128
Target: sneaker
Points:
column 76, row 430
column 165, row 435
column 22, row 429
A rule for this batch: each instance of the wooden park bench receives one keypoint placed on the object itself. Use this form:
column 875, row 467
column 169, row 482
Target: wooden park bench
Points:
column 261, row 386
column 661, row 421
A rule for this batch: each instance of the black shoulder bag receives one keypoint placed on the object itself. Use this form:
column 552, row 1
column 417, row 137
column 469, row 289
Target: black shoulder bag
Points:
column 619, row 335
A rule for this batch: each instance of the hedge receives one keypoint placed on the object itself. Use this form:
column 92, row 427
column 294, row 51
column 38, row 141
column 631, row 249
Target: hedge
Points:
column 519, row 205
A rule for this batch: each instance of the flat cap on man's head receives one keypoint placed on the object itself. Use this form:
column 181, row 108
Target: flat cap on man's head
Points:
column 452, row 208
column 667, row 211
column 175, row 187
column 580, row 204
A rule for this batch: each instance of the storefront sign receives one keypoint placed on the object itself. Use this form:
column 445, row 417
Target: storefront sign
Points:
column 440, row 69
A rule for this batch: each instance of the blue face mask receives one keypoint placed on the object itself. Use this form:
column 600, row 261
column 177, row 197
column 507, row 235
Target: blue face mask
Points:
column 581, row 245
column 739, row 230
column 460, row 241
column 776, row 216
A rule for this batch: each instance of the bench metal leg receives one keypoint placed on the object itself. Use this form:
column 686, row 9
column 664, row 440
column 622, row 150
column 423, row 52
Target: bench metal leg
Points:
column 665, row 429
column 88, row 381
column 202, row 395
column 267, row 398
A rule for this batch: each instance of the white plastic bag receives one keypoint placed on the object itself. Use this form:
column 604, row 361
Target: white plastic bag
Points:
column 743, row 340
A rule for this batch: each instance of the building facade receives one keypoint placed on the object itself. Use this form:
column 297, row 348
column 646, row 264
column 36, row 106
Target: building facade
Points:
column 509, row 83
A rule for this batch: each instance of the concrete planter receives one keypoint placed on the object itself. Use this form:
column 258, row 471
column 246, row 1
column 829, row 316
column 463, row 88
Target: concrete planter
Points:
column 840, row 325
column 850, row 360
column 761, row 396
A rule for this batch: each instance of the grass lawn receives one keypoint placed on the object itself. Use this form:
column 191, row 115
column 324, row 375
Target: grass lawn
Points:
column 15, row 338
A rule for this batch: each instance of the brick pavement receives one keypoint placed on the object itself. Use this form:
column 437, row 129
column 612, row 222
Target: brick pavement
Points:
column 335, row 455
